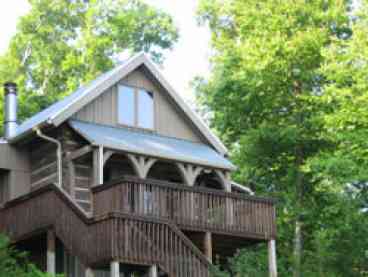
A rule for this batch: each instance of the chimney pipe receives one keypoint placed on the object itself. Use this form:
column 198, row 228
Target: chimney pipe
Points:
column 10, row 110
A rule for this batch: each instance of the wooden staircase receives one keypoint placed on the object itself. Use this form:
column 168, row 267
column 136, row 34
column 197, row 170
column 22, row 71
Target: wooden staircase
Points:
column 112, row 236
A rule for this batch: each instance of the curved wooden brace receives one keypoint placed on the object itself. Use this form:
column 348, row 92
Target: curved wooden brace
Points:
column 141, row 164
column 224, row 177
column 189, row 172
column 107, row 156
column 147, row 166
column 136, row 164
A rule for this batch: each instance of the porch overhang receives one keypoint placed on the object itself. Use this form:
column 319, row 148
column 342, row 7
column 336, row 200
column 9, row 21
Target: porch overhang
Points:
column 149, row 144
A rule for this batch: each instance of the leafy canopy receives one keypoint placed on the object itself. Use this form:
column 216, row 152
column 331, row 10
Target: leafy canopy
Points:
column 60, row 45
column 288, row 94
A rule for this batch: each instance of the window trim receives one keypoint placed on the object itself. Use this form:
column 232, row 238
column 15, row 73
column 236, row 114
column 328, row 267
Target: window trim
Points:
column 136, row 90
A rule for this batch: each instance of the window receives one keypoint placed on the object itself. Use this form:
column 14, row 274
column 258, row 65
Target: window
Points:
column 135, row 107
column 126, row 105
column 145, row 109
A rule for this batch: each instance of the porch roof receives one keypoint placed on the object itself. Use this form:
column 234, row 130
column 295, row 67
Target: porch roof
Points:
column 150, row 144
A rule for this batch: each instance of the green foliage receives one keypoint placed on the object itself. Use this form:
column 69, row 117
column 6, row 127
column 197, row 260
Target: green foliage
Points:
column 14, row 263
column 288, row 94
column 61, row 44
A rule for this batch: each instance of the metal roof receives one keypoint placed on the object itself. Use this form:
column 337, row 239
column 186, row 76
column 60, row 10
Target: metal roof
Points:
column 44, row 116
column 61, row 111
column 150, row 144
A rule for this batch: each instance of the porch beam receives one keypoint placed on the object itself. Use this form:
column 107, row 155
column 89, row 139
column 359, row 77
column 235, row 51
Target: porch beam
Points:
column 79, row 153
column 114, row 269
column 272, row 265
column 51, row 257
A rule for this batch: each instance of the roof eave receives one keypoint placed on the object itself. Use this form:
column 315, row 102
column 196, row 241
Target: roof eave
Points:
column 28, row 132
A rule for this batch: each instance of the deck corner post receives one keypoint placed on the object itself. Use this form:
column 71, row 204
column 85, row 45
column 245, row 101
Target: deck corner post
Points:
column 98, row 166
column 208, row 246
column 114, row 269
column 153, row 271
column 51, row 258
column 89, row 272
column 272, row 258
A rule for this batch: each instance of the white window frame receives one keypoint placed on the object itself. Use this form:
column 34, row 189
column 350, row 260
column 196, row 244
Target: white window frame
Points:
column 136, row 108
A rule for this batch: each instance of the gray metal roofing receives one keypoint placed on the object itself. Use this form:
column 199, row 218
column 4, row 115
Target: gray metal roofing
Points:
column 46, row 114
column 62, row 110
column 150, row 144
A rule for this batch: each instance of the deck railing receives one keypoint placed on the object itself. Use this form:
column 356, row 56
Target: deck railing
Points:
column 99, row 239
column 190, row 208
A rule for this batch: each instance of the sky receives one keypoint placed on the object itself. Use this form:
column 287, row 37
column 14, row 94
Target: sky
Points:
column 189, row 57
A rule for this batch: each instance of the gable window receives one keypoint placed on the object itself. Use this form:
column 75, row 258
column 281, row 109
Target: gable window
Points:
column 135, row 107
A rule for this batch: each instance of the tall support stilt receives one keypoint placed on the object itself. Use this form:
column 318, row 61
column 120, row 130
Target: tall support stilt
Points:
column 51, row 258
column 114, row 269
column 89, row 272
column 153, row 271
column 272, row 258
column 208, row 245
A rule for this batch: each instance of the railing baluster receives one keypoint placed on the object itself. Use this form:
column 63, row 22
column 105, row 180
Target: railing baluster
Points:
column 189, row 206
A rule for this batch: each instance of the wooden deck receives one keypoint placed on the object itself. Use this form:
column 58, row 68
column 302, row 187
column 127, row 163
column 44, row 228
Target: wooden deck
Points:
column 100, row 239
column 190, row 208
column 143, row 222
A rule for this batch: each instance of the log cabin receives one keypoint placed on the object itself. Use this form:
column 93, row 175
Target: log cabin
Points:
column 121, row 178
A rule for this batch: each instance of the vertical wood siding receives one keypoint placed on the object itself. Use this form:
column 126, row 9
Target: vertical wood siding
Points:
column 4, row 186
column 14, row 157
column 16, row 160
column 169, row 120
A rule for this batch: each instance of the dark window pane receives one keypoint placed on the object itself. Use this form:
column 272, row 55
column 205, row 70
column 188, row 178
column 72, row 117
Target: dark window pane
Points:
column 145, row 109
column 126, row 105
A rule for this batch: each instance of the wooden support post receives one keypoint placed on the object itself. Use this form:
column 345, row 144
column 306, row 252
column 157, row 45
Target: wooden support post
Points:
column 89, row 272
column 208, row 246
column 272, row 258
column 71, row 169
column 114, row 269
column 153, row 271
column 98, row 165
column 51, row 258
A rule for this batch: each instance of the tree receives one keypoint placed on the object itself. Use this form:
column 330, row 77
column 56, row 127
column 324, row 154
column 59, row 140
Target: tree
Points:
column 14, row 263
column 264, row 95
column 61, row 44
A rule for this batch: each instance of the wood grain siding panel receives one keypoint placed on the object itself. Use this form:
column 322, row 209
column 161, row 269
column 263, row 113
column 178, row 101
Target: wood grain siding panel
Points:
column 101, row 110
column 4, row 186
column 169, row 120
column 19, row 183
column 16, row 161
column 14, row 158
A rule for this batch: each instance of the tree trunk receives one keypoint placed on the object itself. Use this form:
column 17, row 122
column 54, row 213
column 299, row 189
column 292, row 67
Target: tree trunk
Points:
column 298, row 247
column 298, row 238
column 299, row 186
